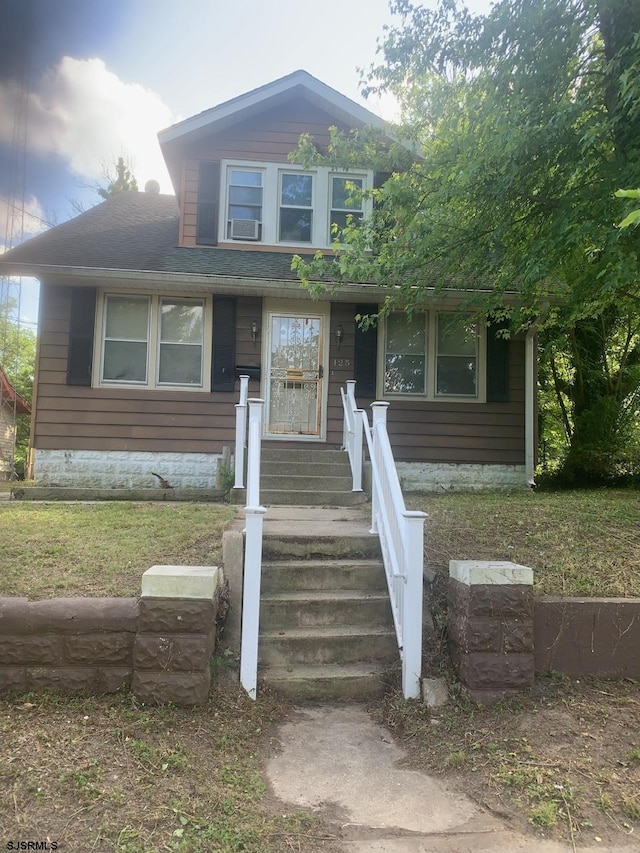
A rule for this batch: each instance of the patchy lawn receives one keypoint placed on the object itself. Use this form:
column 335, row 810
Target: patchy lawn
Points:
column 108, row 775
column 578, row 543
column 56, row 549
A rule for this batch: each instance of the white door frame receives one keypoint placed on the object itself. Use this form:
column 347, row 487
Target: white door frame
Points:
column 295, row 308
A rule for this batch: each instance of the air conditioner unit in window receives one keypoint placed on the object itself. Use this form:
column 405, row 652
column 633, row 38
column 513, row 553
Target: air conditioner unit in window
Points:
column 245, row 229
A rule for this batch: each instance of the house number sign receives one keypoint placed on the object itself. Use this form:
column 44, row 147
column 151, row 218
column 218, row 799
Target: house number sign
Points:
column 342, row 362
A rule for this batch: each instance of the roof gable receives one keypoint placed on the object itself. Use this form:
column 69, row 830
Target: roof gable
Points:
column 300, row 83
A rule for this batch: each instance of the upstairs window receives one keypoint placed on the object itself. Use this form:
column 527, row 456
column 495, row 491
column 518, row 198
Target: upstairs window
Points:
column 346, row 201
column 276, row 204
column 244, row 209
column 296, row 208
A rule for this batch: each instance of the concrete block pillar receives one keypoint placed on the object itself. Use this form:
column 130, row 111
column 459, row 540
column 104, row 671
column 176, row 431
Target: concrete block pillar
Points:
column 176, row 634
column 491, row 627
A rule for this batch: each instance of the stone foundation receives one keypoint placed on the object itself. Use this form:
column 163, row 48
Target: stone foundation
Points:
column 159, row 645
column 446, row 477
column 491, row 627
column 121, row 469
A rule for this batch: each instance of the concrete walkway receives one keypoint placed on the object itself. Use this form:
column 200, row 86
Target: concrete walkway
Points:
column 335, row 760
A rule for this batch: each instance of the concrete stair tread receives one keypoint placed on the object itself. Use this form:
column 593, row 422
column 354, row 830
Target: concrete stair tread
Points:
column 327, row 595
column 323, row 672
column 328, row 632
column 345, row 563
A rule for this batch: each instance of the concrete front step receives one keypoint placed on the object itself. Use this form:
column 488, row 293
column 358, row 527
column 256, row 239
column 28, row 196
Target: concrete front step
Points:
column 304, row 481
column 291, row 546
column 333, row 645
column 321, row 469
column 326, row 682
column 308, row 608
column 302, row 455
column 290, row 575
column 289, row 497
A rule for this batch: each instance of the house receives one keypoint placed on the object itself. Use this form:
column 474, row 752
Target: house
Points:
column 151, row 307
column 12, row 405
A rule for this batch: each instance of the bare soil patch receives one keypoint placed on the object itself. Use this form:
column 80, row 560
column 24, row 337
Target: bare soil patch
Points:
column 562, row 761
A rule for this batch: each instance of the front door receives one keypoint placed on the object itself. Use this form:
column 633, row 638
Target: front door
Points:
column 295, row 399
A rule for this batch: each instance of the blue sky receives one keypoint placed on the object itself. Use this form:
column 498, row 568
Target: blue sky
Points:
column 104, row 76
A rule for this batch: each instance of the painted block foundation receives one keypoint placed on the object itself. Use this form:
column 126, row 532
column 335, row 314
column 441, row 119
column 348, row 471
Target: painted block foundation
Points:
column 121, row 469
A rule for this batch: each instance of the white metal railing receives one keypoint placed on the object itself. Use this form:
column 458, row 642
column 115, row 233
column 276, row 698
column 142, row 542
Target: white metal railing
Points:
column 241, row 433
column 254, row 514
column 401, row 534
column 352, row 433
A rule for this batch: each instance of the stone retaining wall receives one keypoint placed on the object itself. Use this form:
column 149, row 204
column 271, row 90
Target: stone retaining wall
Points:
column 588, row 636
column 500, row 636
column 159, row 645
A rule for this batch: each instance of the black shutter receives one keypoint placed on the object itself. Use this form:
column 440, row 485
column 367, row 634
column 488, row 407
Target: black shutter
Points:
column 81, row 327
column 224, row 344
column 497, row 364
column 208, row 202
column 365, row 355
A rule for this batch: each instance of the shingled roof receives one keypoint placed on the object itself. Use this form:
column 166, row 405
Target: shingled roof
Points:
column 138, row 232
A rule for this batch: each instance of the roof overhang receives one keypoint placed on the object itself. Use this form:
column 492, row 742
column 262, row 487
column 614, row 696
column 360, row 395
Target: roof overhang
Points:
column 226, row 285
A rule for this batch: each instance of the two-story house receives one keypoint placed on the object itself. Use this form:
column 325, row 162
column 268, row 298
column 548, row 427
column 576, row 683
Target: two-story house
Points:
column 151, row 306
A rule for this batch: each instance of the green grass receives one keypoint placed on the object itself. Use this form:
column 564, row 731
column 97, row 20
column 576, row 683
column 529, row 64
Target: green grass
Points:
column 54, row 549
column 584, row 543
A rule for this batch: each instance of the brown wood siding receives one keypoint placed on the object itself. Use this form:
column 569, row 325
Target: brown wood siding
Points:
column 79, row 418
column 270, row 137
column 72, row 417
column 441, row 431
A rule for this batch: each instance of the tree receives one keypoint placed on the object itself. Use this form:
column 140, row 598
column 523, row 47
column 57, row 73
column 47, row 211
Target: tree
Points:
column 122, row 181
column 17, row 358
column 526, row 122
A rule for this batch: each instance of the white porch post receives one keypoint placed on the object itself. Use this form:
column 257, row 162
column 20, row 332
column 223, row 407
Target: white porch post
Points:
column 241, row 433
column 253, row 555
column 356, row 447
column 378, row 422
column 412, row 603
column 530, row 382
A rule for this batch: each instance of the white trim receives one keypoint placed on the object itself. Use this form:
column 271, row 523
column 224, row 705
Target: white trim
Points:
column 229, row 110
column 431, row 365
column 153, row 342
column 272, row 173
column 294, row 308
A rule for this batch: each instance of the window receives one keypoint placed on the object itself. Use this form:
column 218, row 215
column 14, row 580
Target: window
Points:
column 457, row 355
column 244, row 203
column 152, row 341
column 126, row 339
column 346, row 200
column 296, row 208
column 405, row 359
column 275, row 204
column 431, row 355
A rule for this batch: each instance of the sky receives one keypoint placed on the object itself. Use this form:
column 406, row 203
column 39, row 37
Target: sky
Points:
column 100, row 78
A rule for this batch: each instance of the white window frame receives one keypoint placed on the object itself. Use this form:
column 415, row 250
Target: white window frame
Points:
column 356, row 176
column 271, row 183
column 152, row 382
column 244, row 167
column 431, row 323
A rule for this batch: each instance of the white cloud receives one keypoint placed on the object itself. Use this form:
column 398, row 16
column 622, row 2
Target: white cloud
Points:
column 17, row 224
column 88, row 115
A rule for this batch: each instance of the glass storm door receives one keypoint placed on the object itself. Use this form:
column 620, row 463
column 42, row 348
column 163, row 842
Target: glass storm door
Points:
column 295, row 375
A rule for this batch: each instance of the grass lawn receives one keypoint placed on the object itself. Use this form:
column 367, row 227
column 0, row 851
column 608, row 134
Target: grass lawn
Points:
column 66, row 549
column 112, row 776
column 584, row 543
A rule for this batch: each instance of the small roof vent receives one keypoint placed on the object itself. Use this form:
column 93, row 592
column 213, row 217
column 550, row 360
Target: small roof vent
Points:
column 152, row 187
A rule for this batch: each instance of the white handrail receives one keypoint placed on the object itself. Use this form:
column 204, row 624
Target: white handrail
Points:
column 401, row 533
column 254, row 514
column 352, row 433
column 241, row 433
